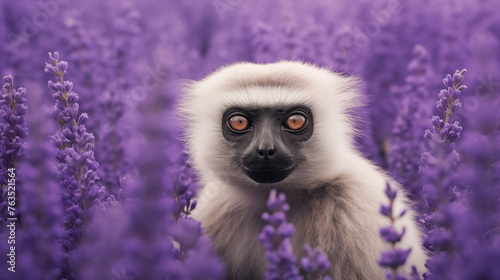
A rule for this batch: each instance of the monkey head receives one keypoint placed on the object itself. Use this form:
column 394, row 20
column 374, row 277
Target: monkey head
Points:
column 280, row 125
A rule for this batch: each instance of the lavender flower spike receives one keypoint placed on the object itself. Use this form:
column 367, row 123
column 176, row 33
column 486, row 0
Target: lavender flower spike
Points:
column 443, row 157
column 77, row 166
column 395, row 257
column 438, row 165
column 12, row 130
column 316, row 264
column 405, row 147
column 275, row 236
column 448, row 102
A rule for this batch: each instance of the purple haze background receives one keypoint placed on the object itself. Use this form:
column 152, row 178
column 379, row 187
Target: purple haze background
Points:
column 127, row 60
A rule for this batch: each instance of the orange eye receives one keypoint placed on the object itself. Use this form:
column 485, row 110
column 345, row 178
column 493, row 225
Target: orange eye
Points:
column 296, row 122
column 238, row 123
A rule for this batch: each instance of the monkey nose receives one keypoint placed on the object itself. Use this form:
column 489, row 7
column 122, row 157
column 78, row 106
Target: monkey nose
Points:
column 266, row 150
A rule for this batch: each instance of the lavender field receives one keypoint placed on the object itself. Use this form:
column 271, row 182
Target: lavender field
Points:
column 95, row 182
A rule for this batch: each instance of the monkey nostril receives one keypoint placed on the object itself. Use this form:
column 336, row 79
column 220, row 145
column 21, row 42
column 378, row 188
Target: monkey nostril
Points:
column 266, row 152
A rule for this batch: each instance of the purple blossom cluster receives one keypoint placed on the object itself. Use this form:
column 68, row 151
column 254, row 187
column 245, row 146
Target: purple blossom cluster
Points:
column 107, row 194
column 442, row 156
column 405, row 146
column 396, row 257
column 183, row 190
column 438, row 166
column 80, row 194
column 13, row 130
column 315, row 264
column 275, row 237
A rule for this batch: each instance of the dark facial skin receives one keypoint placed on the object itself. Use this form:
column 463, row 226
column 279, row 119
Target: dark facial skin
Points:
column 267, row 141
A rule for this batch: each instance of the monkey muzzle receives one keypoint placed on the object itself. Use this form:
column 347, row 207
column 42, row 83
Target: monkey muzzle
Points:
column 267, row 171
column 268, row 159
column 268, row 175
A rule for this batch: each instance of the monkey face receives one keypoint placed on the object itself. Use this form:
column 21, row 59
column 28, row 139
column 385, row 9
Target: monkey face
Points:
column 267, row 142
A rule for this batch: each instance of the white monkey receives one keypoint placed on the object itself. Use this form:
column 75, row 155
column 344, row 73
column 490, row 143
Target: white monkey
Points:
column 288, row 125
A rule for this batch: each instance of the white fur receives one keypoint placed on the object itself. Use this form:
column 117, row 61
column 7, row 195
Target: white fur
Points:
column 331, row 157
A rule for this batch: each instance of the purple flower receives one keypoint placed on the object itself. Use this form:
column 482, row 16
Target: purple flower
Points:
column 386, row 210
column 315, row 263
column 395, row 257
column 13, row 126
column 390, row 234
column 437, row 162
column 438, row 238
column 438, row 165
column 13, row 130
column 275, row 236
column 80, row 193
column 406, row 145
column 439, row 266
column 183, row 191
column 195, row 251
column 450, row 132
column 186, row 233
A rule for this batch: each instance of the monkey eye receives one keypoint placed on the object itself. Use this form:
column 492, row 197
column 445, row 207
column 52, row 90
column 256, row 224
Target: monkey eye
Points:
column 238, row 123
column 296, row 121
